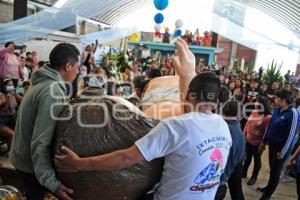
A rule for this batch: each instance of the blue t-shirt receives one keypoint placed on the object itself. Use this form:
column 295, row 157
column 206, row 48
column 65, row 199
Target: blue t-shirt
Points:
column 237, row 151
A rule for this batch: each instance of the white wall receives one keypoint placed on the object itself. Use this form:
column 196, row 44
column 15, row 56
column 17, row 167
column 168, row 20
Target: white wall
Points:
column 44, row 47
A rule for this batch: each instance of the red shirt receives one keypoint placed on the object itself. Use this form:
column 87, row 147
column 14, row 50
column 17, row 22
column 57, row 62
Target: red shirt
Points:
column 255, row 128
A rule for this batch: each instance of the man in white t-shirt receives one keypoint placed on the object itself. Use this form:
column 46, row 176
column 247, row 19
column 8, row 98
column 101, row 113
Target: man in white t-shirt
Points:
column 195, row 145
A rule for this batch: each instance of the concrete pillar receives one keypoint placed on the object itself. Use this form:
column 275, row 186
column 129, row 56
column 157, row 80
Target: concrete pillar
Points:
column 233, row 54
column 20, row 9
column 298, row 66
column 214, row 40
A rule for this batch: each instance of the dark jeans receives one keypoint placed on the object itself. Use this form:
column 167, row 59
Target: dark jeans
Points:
column 252, row 151
column 298, row 185
column 276, row 166
column 221, row 192
column 15, row 82
column 234, row 184
column 33, row 189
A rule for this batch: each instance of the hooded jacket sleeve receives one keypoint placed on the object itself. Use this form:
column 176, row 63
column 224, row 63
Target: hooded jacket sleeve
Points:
column 48, row 109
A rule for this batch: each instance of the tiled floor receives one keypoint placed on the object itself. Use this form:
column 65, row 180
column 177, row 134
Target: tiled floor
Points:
column 285, row 191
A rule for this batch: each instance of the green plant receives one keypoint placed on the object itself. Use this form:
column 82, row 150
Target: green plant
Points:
column 249, row 68
column 273, row 73
column 236, row 67
column 122, row 63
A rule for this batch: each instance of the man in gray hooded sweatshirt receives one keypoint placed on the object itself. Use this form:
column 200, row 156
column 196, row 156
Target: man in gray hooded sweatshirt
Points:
column 31, row 147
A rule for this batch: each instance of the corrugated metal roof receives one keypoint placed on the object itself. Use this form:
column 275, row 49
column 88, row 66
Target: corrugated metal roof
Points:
column 46, row 2
column 287, row 12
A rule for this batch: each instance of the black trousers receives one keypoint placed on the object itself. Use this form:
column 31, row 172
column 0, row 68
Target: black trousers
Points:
column 33, row 189
column 234, row 184
column 298, row 185
column 15, row 82
column 252, row 151
column 276, row 166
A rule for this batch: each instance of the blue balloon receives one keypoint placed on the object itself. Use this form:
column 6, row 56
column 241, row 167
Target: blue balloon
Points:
column 178, row 33
column 159, row 18
column 161, row 4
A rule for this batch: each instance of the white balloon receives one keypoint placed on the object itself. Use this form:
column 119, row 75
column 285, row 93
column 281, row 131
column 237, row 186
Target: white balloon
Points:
column 157, row 27
column 179, row 23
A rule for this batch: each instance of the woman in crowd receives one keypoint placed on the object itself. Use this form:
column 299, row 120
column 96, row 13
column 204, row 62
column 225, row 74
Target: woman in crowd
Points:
column 7, row 122
column 238, row 91
column 231, row 87
column 8, row 110
column 88, row 58
column 263, row 88
column 136, row 69
column 254, row 131
column 279, row 136
column 10, row 90
column 127, row 75
column 10, row 64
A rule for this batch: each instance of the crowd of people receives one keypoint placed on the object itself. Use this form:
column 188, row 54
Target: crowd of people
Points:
column 255, row 114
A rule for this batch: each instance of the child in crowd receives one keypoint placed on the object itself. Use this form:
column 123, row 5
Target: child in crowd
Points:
column 254, row 132
column 233, row 171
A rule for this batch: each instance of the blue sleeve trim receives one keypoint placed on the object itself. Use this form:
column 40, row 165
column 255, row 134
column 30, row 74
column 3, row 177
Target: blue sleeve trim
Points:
column 292, row 132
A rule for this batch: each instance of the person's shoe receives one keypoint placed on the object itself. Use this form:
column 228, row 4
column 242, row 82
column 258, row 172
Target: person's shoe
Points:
column 285, row 179
column 252, row 181
column 262, row 189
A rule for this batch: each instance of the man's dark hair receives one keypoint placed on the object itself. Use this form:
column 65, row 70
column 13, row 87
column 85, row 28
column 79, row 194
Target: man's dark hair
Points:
column 137, row 81
column 285, row 94
column 4, row 84
column 205, row 87
column 62, row 54
column 154, row 73
column 8, row 43
column 231, row 108
column 224, row 94
column 26, row 83
column 27, row 53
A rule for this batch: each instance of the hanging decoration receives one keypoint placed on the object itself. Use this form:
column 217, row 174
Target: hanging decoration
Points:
column 161, row 4
column 178, row 31
column 157, row 34
column 179, row 23
column 159, row 18
column 166, row 38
